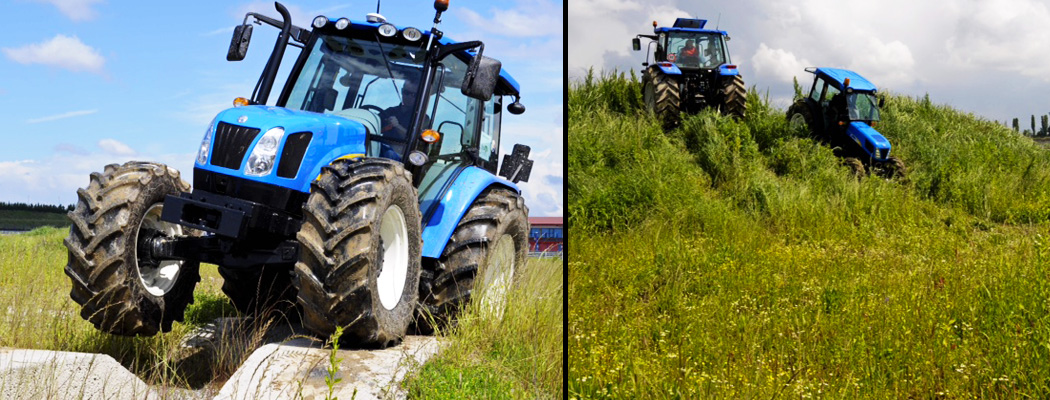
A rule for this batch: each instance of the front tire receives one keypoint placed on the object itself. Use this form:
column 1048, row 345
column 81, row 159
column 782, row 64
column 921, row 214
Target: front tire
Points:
column 488, row 246
column 120, row 288
column 359, row 263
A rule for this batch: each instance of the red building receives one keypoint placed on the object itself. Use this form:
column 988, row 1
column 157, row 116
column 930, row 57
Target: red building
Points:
column 546, row 236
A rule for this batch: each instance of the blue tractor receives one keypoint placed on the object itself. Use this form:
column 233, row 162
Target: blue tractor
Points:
column 366, row 197
column 842, row 110
column 692, row 71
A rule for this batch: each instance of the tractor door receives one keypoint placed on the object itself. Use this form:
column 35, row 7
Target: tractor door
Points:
column 459, row 120
column 828, row 110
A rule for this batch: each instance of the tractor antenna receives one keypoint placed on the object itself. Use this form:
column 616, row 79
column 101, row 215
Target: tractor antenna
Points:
column 378, row 2
column 717, row 21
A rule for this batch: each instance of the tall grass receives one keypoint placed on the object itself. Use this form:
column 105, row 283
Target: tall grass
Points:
column 729, row 259
column 518, row 356
column 37, row 313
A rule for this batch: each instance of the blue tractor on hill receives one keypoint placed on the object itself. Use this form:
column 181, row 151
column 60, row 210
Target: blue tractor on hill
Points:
column 366, row 197
column 842, row 110
column 691, row 71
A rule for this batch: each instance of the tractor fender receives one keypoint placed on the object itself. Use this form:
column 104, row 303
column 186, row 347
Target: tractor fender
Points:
column 868, row 138
column 668, row 68
column 453, row 204
column 724, row 70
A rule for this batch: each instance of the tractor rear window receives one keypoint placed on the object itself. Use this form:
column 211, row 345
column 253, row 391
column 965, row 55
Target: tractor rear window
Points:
column 695, row 49
column 863, row 107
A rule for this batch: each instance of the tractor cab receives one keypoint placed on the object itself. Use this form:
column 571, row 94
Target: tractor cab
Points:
column 842, row 109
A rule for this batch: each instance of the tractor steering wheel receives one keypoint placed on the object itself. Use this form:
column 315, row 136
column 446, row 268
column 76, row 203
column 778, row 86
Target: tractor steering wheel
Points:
column 372, row 107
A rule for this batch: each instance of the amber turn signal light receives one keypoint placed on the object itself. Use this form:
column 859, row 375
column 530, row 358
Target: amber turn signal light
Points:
column 240, row 102
column 430, row 136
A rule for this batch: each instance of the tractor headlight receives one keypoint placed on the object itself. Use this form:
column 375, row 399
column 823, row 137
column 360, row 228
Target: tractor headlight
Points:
column 387, row 30
column 260, row 162
column 412, row 34
column 320, row 21
column 202, row 154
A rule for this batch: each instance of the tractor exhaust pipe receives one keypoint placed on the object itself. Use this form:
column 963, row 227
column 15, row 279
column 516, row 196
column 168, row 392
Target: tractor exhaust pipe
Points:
column 270, row 73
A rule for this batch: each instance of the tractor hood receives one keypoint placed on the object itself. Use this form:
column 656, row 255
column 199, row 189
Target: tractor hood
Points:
column 869, row 139
column 309, row 140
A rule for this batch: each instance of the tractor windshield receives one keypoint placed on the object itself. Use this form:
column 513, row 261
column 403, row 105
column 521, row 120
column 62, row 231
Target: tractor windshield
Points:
column 696, row 49
column 350, row 77
column 862, row 107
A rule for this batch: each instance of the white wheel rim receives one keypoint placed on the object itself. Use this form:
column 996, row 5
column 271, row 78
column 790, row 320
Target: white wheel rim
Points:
column 393, row 234
column 797, row 121
column 158, row 280
column 498, row 276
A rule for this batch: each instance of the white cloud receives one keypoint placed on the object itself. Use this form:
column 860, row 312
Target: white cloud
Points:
column 57, row 178
column 61, row 51
column 56, row 117
column 77, row 10
column 889, row 64
column 529, row 19
column 780, row 64
column 115, row 147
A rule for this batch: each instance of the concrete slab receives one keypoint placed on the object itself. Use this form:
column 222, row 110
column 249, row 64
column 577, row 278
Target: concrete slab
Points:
column 296, row 369
column 45, row 374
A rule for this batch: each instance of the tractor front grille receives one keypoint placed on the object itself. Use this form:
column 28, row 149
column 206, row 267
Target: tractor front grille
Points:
column 292, row 155
column 231, row 143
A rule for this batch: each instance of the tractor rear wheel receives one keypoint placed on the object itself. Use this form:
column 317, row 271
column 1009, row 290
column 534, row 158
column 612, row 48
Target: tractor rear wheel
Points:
column 855, row 166
column 264, row 290
column 488, row 247
column 122, row 290
column 734, row 97
column 662, row 96
column 359, row 262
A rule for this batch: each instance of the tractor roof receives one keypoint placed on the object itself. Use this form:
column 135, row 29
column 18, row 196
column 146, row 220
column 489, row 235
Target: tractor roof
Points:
column 838, row 77
column 506, row 84
column 687, row 25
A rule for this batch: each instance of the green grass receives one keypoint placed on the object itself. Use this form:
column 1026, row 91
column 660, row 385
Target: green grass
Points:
column 517, row 357
column 37, row 313
column 738, row 259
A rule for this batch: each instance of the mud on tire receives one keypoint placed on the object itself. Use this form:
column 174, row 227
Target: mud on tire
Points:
column 477, row 252
column 119, row 291
column 339, row 275
column 734, row 97
column 662, row 96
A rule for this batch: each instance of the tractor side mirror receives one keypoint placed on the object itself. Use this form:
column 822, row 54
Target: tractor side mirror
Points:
column 516, row 108
column 242, row 34
column 480, row 81
column 636, row 44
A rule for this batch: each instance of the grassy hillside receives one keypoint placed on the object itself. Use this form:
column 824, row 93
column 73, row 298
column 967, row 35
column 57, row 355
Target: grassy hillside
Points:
column 739, row 259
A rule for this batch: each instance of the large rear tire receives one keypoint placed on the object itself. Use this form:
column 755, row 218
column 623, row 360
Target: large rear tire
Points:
column 359, row 263
column 662, row 96
column 261, row 291
column 120, row 288
column 490, row 242
column 734, row 97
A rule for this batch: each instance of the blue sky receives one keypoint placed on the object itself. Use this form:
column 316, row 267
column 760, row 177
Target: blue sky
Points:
column 89, row 82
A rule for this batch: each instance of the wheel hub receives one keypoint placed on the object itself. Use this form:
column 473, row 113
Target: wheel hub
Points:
column 156, row 276
column 498, row 276
column 392, row 263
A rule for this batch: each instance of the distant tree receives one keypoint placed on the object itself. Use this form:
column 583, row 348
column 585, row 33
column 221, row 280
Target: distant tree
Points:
column 1033, row 124
column 1043, row 120
column 1016, row 127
